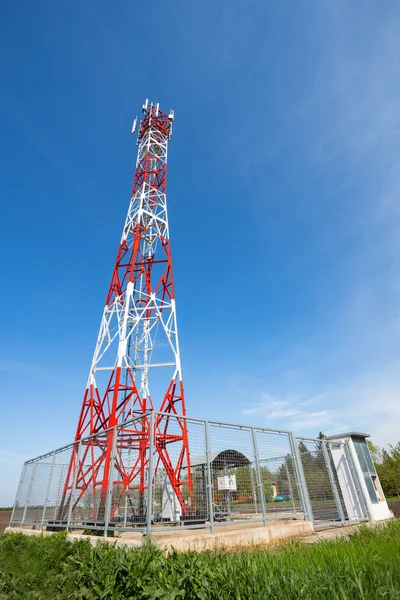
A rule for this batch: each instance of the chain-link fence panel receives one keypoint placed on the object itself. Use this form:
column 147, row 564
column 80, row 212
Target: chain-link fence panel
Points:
column 321, row 492
column 56, row 486
column 234, row 477
column 22, row 499
column 33, row 491
column 161, row 470
column 38, row 491
column 179, row 495
column 278, row 475
column 196, row 474
column 57, row 507
column 129, row 475
column 41, row 489
column 87, row 486
column 280, row 488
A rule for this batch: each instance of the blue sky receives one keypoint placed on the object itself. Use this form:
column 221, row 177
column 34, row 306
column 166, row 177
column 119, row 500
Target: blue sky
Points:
column 283, row 203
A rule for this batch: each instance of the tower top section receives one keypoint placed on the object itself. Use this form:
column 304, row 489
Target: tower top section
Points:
column 154, row 119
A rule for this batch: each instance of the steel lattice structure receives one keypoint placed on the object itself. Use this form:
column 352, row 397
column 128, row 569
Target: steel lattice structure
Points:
column 137, row 345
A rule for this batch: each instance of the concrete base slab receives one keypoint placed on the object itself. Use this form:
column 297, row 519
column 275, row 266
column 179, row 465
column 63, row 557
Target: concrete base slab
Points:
column 234, row 535
column 188, row 539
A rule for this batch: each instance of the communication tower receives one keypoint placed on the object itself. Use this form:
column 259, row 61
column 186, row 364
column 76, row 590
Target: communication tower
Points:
column 136, row 366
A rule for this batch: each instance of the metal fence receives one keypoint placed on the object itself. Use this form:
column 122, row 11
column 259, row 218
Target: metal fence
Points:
column 332, row 484
column 232, row 474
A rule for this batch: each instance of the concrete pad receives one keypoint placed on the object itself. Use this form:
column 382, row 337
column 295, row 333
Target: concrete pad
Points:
column 129, row 535
column 225, row 536
column 282, row 531
column 231, row 535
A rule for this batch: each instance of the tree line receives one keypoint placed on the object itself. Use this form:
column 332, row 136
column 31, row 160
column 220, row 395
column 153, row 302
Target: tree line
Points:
column 387, row 464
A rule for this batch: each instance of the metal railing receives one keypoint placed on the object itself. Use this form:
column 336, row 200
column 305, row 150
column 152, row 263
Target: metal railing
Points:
column 235, row 474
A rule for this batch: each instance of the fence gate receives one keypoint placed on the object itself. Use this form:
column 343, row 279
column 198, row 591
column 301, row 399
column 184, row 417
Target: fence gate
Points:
column 333, row 488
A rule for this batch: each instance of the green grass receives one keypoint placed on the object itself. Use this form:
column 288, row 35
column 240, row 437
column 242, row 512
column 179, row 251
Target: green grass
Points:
column 366, row 567
column 393, row 499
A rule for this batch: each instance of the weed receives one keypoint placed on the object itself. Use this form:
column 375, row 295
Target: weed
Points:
column 365, row 566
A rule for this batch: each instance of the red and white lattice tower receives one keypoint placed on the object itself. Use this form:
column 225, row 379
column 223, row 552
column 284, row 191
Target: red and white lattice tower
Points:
column 136, row 366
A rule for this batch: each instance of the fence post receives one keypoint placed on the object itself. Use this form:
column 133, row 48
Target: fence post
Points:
column 209, row 476
column 333, row 481
column 48, row 489
column 71, row 498
column 29, row 492
column 18, row 492
column 258, row 474
column 107, row 508
column 301, row 480
column 149, row 511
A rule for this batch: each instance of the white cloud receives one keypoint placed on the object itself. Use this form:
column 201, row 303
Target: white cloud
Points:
column 370, row 404
column 353, row 133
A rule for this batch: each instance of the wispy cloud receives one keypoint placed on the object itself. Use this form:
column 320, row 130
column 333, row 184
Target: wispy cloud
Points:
column 370, row 404
column 350, row 133
column 293, row 413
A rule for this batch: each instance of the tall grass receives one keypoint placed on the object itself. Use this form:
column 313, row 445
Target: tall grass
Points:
column 365, row 567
